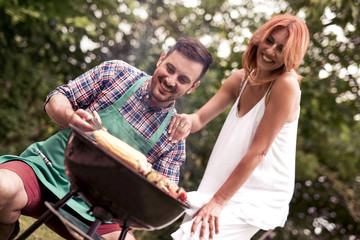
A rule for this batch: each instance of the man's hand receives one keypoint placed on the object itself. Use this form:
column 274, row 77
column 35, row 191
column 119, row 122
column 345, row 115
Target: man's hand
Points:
column 60, row 111
column 82, row 119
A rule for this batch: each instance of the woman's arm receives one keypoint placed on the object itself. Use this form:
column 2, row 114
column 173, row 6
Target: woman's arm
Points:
column 284, row 100
column 184, row 124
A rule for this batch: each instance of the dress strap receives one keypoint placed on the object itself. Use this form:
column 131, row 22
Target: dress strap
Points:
column 268, row 91
column 243, row 84
column 292, row 71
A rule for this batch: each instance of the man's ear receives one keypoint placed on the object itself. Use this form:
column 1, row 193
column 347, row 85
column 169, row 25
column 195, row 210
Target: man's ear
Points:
column 162, row 57
column 193, row 87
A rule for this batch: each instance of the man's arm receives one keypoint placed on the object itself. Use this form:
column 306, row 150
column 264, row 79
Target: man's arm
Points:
column 64, row 104
column 60, row 111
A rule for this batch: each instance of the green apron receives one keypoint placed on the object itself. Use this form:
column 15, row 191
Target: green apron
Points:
column 47, row 158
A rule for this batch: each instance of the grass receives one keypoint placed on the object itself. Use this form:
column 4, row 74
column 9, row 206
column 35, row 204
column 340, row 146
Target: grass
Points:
column 42, row 233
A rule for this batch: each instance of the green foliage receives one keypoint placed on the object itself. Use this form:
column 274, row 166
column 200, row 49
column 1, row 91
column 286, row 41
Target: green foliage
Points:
column 322, row 213
column 40, row 48
column 330, row 98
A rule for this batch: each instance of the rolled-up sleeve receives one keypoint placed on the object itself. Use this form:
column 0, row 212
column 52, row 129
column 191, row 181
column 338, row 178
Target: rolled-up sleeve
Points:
column 82, row 91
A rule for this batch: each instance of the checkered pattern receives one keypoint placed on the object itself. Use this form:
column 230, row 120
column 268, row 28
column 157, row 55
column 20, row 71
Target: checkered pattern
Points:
column 104, row 85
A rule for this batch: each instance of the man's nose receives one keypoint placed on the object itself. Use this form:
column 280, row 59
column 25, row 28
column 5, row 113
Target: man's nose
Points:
column 170, row 81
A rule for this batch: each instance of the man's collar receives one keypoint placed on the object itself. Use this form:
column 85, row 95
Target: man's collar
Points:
column 145, row 97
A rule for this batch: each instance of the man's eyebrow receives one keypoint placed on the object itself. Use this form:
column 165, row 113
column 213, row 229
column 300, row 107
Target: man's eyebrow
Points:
column 170, row 65
column 183, row 77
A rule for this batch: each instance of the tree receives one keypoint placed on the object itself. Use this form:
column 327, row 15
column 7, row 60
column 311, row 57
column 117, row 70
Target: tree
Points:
column 328, row 155
column 41, row 49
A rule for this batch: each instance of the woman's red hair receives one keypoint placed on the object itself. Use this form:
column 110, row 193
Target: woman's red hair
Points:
column 294, row 49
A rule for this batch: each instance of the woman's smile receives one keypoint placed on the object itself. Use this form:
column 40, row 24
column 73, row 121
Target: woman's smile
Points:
column 266, row 58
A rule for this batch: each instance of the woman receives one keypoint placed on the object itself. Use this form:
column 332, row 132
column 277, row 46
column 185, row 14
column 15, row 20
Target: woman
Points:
column 249, row 179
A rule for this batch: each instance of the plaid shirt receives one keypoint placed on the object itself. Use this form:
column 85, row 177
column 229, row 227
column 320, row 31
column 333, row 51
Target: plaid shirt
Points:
column 104, row 85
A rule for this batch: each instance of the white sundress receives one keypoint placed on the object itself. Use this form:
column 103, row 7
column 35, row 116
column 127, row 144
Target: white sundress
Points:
column 263, row 200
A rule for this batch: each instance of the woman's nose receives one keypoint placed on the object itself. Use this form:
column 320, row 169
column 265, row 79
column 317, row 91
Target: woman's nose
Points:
column 271, row 50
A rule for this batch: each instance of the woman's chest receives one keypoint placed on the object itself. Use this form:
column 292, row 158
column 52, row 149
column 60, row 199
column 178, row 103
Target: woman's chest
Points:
column 249, row 98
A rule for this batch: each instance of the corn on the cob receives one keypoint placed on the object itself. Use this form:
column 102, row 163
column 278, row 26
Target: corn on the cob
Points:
column 119, row 148
column 138, row 161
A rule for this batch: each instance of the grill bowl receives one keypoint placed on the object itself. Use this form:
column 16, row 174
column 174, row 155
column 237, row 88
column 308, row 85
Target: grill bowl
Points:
column 104, row 180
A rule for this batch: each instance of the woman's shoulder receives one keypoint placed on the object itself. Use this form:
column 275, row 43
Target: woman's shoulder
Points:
column 236, row 77
column 289, row 79
column 286, row 86
column 286, row 90
column 239, row 74
column 234, row 81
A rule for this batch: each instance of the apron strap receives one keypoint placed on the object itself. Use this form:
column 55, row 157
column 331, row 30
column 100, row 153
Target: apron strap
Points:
column 130, row 92
column 124, row 130
column 161, row 128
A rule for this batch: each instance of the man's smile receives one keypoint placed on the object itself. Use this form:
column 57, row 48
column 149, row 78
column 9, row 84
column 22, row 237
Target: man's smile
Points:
column 165, row 87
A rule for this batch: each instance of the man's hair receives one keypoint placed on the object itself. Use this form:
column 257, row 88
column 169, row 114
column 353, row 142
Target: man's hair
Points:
column 195, row 51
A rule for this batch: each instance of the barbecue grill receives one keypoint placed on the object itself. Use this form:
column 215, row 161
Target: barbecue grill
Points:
column 114, row 191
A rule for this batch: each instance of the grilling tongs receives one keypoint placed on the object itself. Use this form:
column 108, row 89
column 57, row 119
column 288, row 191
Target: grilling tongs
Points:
column 94, row 122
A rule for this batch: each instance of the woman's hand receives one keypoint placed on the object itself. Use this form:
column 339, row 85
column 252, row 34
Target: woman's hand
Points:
column 180, row 127
column 208, row 216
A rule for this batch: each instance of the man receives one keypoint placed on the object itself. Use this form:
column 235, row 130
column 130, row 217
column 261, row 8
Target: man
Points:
column 131, row 105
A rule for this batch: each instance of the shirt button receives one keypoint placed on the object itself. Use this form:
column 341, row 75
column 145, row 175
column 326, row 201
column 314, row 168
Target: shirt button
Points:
column 144, row 109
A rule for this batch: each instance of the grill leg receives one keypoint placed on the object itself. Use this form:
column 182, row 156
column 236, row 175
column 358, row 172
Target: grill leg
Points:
column 101, row 215
column 124, row 231
column 46, row 215
column 94, row 227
